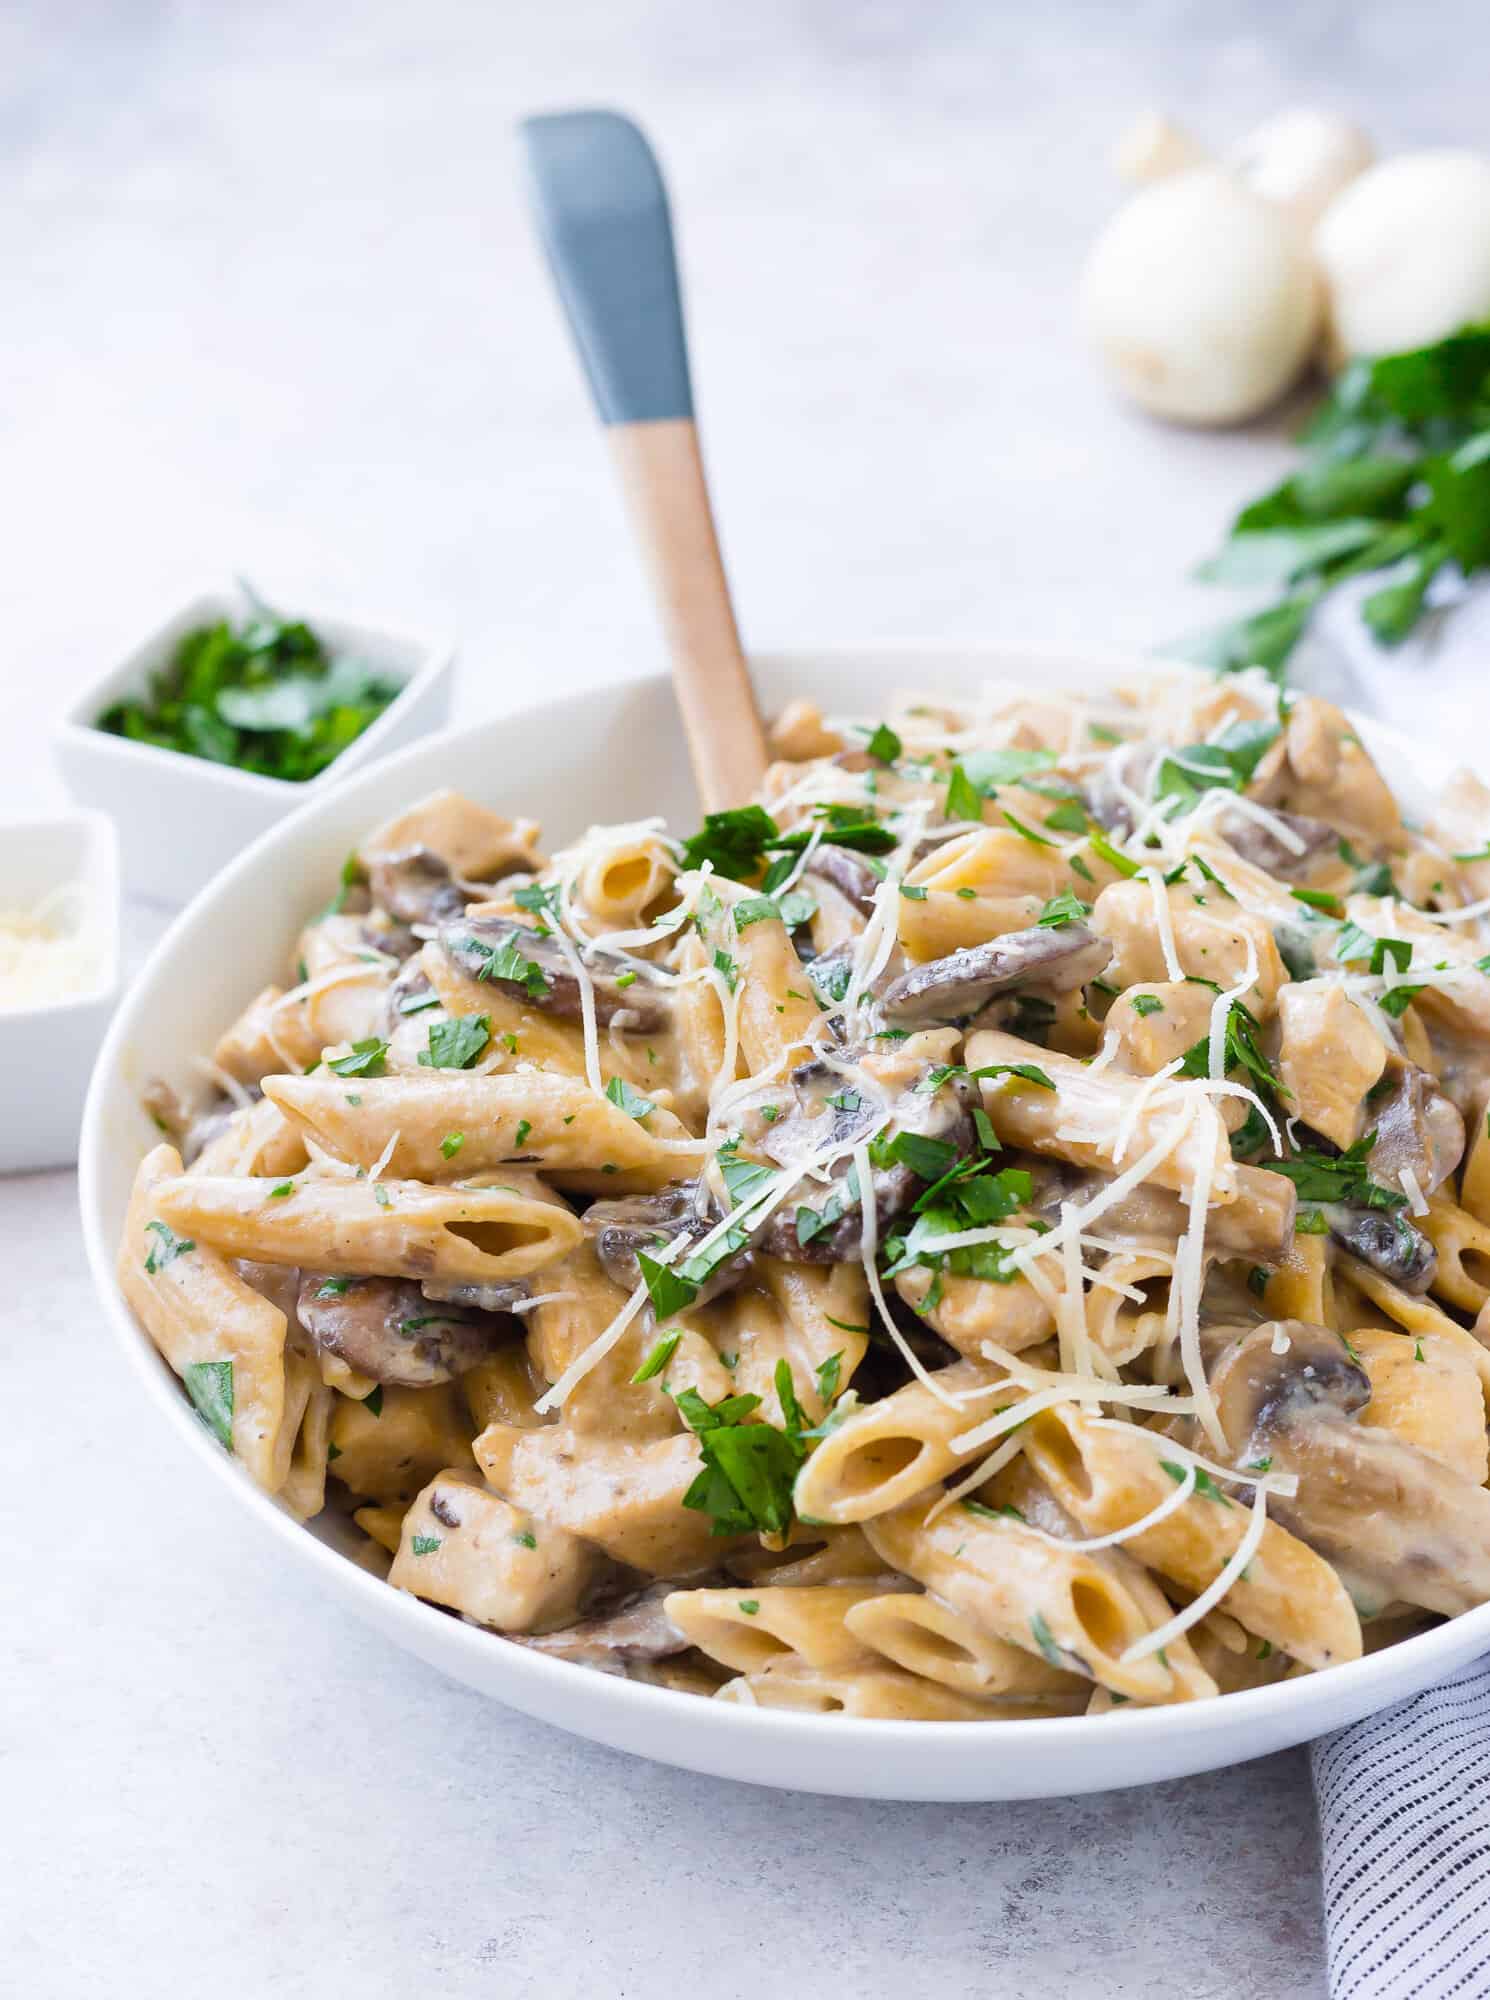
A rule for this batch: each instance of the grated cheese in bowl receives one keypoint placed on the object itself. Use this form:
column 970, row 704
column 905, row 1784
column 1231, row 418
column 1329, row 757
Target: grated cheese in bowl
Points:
column 46, row 954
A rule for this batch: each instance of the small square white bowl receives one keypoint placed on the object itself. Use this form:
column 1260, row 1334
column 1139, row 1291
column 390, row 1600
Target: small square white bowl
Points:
column 47, row 1051
column 182, row 818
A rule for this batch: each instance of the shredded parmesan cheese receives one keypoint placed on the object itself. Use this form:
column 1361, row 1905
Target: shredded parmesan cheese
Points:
column 44, row 959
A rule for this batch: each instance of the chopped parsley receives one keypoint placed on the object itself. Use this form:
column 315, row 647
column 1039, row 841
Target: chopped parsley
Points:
column 166, row 1249
column 735, row 841
column 749, row 1469
column 504, row 961
column 661, row 1353
column 1318, row 899
column 1227, row 764
column 1239, row 1052
column 457, row 1043
column 451, row 1144
column 1337, row 1177
column 524, row 1127
column 1205, row 1486
column 884, row 744
column 621, row 1094
column 373, row 1404
column 970, row 1196
column 210, row 1387
column 425, row 1545
column 525, row 1538
column 1063, row 909
column 1045, row 1640
column 1147, row 1003
column 1069, row 816
column 366, row 1059
column 1103, row 848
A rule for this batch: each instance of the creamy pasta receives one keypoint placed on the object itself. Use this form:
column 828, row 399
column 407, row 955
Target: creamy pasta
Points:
column 999, row 1226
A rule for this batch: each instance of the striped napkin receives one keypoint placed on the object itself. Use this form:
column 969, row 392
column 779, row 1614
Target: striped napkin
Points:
column 1404, row 1821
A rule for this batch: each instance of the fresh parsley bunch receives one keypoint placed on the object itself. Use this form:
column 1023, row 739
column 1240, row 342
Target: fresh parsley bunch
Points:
column 1394, row 482
column 263, row 695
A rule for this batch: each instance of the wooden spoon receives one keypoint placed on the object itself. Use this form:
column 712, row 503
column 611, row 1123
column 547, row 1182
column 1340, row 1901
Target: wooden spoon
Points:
column 602, row 213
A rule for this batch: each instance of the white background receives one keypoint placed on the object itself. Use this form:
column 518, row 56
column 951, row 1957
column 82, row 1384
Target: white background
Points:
column 268, row 304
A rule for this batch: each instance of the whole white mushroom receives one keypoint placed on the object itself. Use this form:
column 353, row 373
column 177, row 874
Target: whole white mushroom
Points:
column 1405, row 253
column 1302, row 159
column 1201, row 298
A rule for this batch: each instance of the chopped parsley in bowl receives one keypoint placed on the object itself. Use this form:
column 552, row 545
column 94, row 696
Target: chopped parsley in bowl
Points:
column 263, row 694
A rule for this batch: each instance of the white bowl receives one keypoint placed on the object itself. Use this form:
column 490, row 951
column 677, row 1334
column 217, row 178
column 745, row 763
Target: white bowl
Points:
column 611, row 754
column 182, row 818
column 47, row 1051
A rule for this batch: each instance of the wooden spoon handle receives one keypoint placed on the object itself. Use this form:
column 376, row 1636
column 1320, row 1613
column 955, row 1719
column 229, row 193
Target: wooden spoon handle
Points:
column 603, row 216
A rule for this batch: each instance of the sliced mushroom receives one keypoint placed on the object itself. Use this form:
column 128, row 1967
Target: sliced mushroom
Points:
column 849, row 873
column 932, row 839
column 409, row 989
column 1387, row 1241
column 475, row 944
column 384, row 1328
column 1418, row 1130
column 1258, row 845
column 188, row 1130
column 619, row 1229
column 826, row 1226
column 1055, row 957
column 416, row 887
column 1281, row 1373
column 1397, row 1524
column 476, row 1298
column 636, row 1631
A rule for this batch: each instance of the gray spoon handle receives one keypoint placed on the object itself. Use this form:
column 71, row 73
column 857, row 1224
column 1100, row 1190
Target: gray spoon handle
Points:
column 602, row 213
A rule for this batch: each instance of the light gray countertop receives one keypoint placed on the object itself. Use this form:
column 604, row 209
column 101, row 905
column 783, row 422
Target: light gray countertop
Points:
column 270, row 305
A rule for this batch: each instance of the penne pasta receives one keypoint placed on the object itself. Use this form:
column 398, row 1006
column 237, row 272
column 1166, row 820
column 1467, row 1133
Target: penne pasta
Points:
column 384, row 1228
column 556, row 1122
column 989, row 1228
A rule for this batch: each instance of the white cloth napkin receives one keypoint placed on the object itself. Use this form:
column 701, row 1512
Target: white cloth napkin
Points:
column 1404, row 1821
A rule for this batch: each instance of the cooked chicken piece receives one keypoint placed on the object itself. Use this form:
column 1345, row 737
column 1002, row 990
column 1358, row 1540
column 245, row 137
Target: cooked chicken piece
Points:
column 1330, row 1055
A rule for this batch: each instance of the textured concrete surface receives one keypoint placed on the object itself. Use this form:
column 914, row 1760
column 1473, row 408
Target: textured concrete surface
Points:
column 269, row 304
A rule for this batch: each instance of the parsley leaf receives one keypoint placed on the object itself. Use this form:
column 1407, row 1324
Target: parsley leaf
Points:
column 884, row 744
column 457, row 1043
column 1239, row 1051
column 366, row 1059
column 621, row 1094
column 964, row 801
column 210, row 1386
column 734, row 841
column 662, row 1352
column 1063, row 909
column 169, row 1247
column 505, row 961
column 1343, row 1177
column 1205, row 1487
column 749, row 1469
